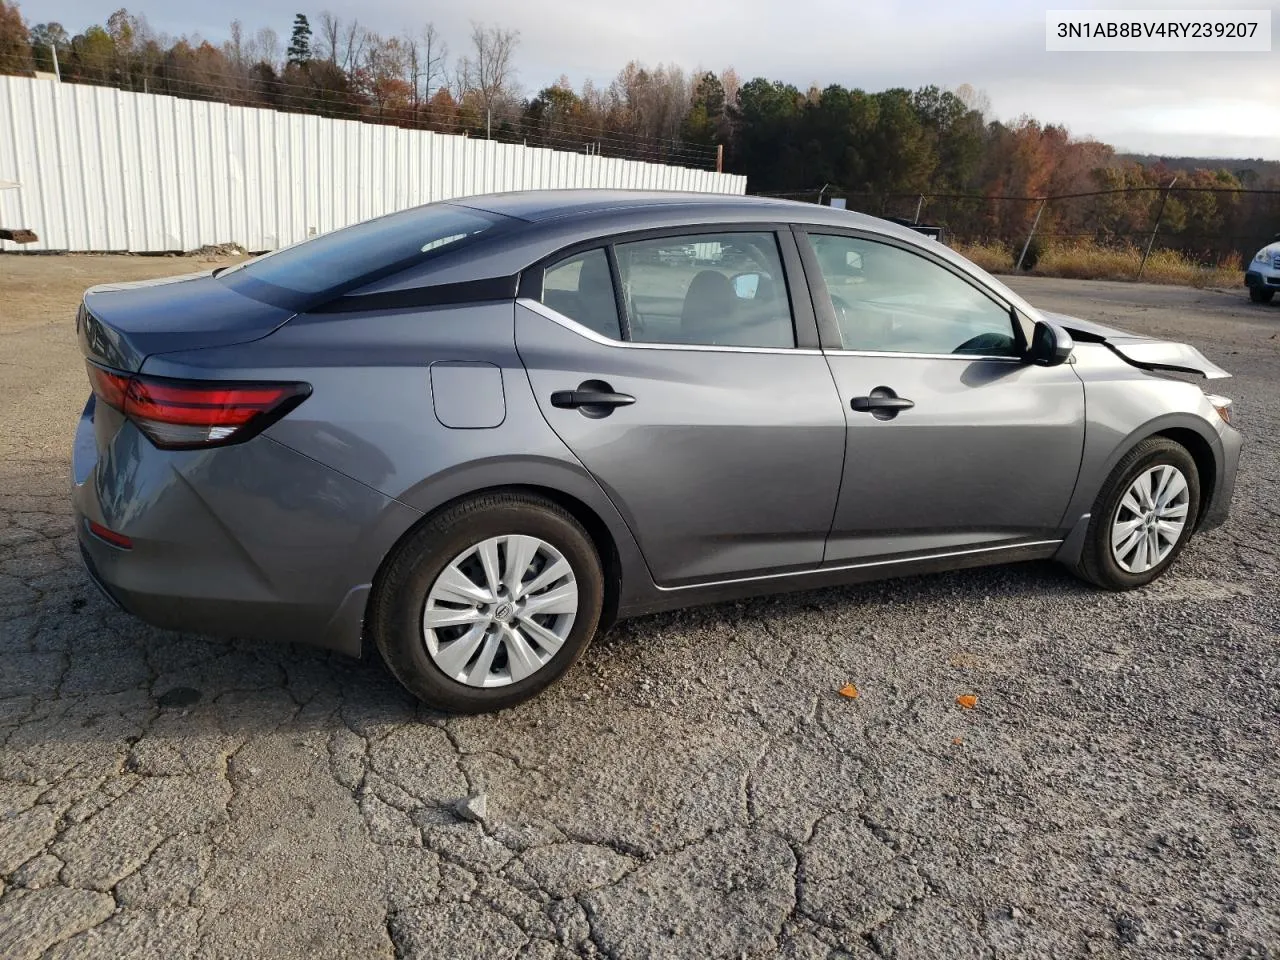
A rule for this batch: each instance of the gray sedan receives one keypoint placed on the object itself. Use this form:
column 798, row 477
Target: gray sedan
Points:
column 476, row 433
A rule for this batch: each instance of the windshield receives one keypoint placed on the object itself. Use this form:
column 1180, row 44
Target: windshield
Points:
column 326, row 266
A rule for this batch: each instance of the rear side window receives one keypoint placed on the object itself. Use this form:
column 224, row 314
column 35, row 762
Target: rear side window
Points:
column 712, row 289
column 724, row 289
column 581, row 288
column 327, row 265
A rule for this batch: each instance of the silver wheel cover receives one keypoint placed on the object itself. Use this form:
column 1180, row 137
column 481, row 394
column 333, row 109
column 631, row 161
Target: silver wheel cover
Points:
column 1150, row 518
column 500, row 611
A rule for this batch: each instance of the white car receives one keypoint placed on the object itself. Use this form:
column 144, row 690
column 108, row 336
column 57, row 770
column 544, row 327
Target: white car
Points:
column 1262, row 276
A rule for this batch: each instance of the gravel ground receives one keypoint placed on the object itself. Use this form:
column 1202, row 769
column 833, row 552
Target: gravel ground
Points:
column 696, row 787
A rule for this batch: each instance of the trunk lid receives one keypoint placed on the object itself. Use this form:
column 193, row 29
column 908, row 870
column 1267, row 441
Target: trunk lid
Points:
column 121, row 324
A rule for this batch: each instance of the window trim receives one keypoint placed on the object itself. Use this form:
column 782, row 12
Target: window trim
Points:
column 555, row 316
column 804, row 324
column 828, row 327
column 624, row 325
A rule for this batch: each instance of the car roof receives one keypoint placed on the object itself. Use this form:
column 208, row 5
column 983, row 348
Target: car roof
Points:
column 538, row 206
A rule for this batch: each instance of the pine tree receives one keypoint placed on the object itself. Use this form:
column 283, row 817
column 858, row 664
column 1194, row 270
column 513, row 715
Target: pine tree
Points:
column 299, row 51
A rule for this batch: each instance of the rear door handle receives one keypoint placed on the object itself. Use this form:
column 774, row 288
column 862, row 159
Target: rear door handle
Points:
column 593, row 398
column 868, row 404
column 883, row 404
column 572, row 399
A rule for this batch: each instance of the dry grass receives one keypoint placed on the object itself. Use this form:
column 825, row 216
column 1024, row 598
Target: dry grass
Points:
column 992, row 257
column 1089, row 261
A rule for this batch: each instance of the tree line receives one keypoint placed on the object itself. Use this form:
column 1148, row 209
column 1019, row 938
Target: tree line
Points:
column 888, row 152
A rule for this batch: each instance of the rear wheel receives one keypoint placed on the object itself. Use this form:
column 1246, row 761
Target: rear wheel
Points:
column 1261, row 294
column 488, row 602
column 1143, row 517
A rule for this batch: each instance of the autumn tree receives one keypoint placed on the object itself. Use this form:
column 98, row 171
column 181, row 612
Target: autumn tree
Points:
column 556, row 117
column 487, row 74
column 15, row 46
column 46, row 38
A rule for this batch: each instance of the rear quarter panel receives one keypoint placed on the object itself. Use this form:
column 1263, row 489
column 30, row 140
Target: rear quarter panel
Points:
column 372, row 417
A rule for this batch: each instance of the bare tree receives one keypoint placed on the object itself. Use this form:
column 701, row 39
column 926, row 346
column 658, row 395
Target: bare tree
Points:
column 329, row 31
column 342, row 43
column 488, row 72
column 974, row 99
column 354, row 40
column 234, row 48
column 731, row 83
column 432, row 60
column 423, row 62
column 264, row 48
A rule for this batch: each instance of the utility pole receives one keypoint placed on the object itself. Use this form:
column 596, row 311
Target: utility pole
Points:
column 488, row 124
column 57, row 71
column 1035, row 223
column 1159, row 213
column 919, row 206
column 719, row 158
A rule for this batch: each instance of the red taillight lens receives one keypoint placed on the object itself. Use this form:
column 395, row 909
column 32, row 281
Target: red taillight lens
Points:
column 113, row 538
column 109, row 387
column 178, row 414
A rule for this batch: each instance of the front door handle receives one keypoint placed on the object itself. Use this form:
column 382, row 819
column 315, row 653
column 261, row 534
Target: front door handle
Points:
column 883, row 404
column 593, row 398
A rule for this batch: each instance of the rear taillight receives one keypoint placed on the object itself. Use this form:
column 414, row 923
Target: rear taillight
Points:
column 185, row 414
column 110, row 536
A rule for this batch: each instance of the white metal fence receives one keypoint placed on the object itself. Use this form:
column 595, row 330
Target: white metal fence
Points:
column 108, row 170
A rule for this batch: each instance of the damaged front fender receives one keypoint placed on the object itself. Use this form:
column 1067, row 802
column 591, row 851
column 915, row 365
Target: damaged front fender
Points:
column 1139, row 351
column 1167, row 355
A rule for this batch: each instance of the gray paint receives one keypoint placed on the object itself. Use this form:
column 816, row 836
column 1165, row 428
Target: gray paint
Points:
column 253, row 539
column 735, row 472
column 467, row 395
column 989, row 453
column 121, row 324
column 729, row 460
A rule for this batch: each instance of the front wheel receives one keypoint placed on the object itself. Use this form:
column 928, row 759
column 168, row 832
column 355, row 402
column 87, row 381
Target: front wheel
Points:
column 488, row 602
column 1261, row 294
column 1143, row 517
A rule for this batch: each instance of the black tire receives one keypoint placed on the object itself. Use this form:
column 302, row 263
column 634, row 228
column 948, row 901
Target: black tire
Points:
column 1097, row 564
column 1261, row 294
column 401, row 594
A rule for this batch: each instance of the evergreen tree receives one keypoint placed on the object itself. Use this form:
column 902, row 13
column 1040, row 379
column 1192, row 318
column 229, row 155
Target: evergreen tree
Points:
column 299, row 51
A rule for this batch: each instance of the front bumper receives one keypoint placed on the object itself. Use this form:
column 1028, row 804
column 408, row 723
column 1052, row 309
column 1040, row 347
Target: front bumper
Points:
column 1262, row 280
column 252, row 540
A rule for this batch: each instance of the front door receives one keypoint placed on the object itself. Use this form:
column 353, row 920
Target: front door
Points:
column 720, row 441
column 954, row 443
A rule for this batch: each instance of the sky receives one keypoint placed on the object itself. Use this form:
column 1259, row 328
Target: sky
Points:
column 1175, row 104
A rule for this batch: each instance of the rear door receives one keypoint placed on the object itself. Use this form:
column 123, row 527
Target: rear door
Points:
column 686, row 376
column 954, row 443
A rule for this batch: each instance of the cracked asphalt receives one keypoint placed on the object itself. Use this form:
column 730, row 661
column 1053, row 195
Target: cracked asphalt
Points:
column 695, row 787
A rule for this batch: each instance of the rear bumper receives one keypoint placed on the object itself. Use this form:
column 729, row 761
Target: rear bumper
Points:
column 251, row 541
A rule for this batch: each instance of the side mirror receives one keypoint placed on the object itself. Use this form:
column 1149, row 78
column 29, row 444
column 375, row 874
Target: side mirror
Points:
column 1050, row 345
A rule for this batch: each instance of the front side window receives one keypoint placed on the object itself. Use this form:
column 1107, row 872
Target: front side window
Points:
column 888, row 299
column 581, row 288
column 712, row 289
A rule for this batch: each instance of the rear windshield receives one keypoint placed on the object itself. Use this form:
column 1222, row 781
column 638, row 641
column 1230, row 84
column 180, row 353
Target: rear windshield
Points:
column 315, row 270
